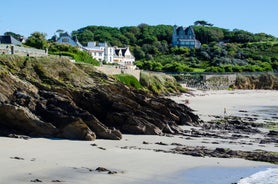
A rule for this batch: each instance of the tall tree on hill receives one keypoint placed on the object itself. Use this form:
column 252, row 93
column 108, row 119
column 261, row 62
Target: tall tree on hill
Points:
column 202, row 23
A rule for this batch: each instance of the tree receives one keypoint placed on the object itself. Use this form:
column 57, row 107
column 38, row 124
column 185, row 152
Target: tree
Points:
column 202, row 23
column 60, row 31
column 37, row 40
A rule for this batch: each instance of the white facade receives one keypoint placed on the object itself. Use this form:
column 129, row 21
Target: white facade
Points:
column 101, row 51
column 123, row 57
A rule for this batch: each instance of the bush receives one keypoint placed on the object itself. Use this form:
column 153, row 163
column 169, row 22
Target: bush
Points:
column 128, row 80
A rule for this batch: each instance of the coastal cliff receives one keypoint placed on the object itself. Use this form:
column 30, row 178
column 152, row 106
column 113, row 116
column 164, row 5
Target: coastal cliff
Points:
column 262, row 81
column 53, row 97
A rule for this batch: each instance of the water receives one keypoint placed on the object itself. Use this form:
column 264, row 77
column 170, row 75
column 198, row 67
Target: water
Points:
column 227, row 175
column 269, row 176
column 224, row 175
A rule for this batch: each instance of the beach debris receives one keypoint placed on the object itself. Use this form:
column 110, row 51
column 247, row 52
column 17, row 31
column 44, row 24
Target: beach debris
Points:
column 19, row 136
column 144, row 142
column 102, row 169
column 36, row 180
column 112, row 172
column 94, row 144
column 17, row 158
column 101, row 148
column 161, row 143
column 56, row 181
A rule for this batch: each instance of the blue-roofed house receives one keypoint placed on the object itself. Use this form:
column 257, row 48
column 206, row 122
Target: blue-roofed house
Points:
column 184, row 37
column 65, row 38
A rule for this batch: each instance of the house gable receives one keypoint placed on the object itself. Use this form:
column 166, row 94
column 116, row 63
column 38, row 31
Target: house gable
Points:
column 65, row 38
column 9, row 40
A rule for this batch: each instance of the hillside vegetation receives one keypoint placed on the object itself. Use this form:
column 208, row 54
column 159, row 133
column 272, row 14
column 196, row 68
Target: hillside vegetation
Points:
column 222, row 50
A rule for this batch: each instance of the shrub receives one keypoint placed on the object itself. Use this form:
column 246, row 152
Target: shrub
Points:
column 128, row 80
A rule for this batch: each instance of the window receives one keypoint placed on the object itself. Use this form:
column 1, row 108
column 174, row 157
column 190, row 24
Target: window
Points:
column 65, row 40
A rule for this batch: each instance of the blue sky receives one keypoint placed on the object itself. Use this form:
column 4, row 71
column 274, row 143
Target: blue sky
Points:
column 47, row 16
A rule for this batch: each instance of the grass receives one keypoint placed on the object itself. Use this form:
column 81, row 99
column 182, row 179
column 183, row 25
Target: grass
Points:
column 199, row 70
column 160, row 83
column 128, row 80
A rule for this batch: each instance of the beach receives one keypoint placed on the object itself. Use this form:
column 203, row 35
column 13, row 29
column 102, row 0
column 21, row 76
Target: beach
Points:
column 143, row 158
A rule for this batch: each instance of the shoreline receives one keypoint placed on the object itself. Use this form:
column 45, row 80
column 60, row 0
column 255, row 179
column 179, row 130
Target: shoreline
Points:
column 75, row 161
column 137, row 159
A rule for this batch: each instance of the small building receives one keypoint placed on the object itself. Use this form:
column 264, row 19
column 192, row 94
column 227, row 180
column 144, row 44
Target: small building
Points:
column 184, row 37
column 7, row 39
column 65, row 38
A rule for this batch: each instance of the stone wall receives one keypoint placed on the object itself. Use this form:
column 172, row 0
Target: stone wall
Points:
column 112, row 70
column 21, row 51
column 219, row 81
column 207, row 81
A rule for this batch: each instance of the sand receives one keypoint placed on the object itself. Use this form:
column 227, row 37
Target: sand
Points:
column 50, row 160
column 76, row 161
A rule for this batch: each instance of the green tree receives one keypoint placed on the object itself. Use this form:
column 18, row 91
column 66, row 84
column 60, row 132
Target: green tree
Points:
column 202, row 23
column 37, row 40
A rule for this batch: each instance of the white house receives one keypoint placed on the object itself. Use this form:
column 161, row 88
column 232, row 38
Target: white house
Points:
column 100, row 51
column 123, row 57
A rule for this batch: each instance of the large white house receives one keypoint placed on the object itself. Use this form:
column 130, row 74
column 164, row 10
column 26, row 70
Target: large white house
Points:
column 104, row 53
column 100, row 51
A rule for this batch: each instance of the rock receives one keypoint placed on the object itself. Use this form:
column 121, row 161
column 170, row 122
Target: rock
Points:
column 74, row 101
column 36, row 180
column 21, row 119
column 78, row 130
column 19, row 136
column 112, row 172
column 102, row 169
column 17, row 158
column 273, row 133
column 103, row 132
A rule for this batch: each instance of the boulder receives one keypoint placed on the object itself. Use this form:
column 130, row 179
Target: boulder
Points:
column 21, row 119
column 78, row 130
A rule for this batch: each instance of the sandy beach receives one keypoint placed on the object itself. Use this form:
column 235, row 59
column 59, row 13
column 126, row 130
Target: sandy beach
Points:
column 138, row 158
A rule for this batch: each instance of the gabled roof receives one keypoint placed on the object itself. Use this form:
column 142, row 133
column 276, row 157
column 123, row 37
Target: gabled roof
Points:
column 123, row 50
column 9, row 40
column 189, row 31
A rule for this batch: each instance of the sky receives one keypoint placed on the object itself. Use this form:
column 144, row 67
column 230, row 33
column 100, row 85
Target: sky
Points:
column 47, row 16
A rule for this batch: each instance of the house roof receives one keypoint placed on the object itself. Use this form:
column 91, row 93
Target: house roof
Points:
column 189, row 31
column 123, row 50
column 9, row 40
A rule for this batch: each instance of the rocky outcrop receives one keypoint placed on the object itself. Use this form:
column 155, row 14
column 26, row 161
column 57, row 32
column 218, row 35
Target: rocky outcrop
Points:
column 262, row 81
column 200, row 151
column 56, row 98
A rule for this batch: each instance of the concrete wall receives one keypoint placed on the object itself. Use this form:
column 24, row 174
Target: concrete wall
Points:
column 112, row 70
